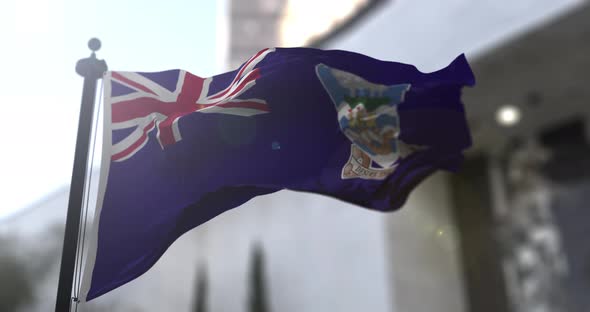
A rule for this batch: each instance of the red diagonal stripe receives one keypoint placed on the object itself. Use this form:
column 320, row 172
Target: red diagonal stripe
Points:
column 137, row 108
column 166, row 135
column 255, row 74
column 124, row 153
column 238, row 76
column 132, row 83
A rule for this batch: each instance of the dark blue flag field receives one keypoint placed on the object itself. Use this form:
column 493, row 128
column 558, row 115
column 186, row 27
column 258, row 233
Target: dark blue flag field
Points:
column 179, row 149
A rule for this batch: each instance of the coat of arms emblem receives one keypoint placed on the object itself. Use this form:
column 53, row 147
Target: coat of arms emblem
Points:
column 367, row 114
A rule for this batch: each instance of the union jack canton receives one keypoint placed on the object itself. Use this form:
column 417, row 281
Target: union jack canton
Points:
column 151, row 105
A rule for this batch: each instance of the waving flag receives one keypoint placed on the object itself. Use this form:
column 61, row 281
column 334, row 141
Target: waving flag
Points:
column 179, row 149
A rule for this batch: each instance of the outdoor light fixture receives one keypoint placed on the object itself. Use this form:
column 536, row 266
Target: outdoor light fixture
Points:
column 508, row 115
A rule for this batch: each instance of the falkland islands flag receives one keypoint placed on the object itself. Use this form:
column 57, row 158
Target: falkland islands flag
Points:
column 180, row 149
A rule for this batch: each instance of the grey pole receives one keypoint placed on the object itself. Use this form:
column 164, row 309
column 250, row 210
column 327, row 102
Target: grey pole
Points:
column 91, row 69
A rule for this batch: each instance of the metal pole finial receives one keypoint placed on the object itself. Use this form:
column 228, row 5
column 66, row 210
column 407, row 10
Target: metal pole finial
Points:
column 94, row 44
column 91, row 67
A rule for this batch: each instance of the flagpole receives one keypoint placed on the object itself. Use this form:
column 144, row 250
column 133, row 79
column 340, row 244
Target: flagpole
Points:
column 91, row 69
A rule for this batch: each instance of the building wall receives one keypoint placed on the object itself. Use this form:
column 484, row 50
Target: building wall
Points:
column 424, row 252
column 321, row 255
column 253, row 25
column 431, row 33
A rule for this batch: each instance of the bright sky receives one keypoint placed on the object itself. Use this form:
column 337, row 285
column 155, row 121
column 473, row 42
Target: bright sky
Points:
column 41, row 40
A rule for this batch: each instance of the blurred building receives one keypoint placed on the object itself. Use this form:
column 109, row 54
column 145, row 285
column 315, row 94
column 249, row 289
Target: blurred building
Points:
column 450, row 248
column 505, row 234
column 252, row 24
column 529, row 116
